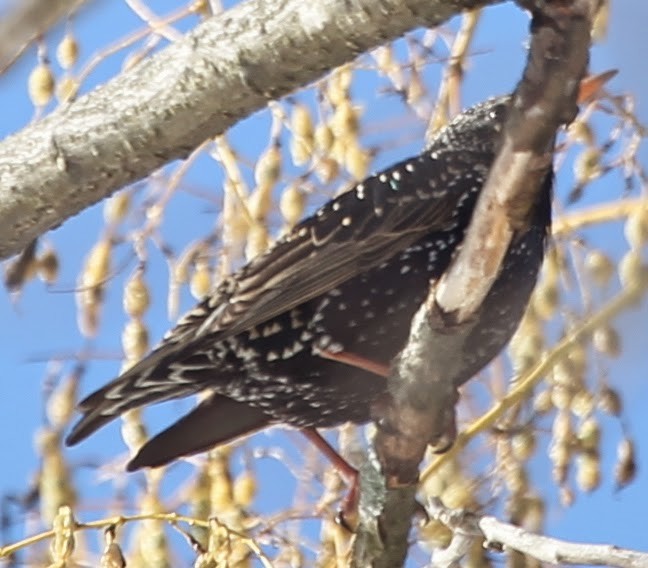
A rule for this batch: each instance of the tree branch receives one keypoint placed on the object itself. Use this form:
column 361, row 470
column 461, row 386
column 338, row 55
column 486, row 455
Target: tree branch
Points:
column 422, row 387
column 224, row 70
column 467, row 526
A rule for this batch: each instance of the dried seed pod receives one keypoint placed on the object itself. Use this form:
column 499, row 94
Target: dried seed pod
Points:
column 61, row 403
column 588, row 471
column 323, row 138
column 221, row 495
column 67, row 51
column 546, row 298
column 41, row 84
column 523, row 444
column 636, row 228
column 561, row 397
column 589, row 435
column 517, row 480
column 609, row 401
column 97, row 265
column 587, row 165
column 67, row 89
column 62, row 544
column 434, row 535
column 244, row 489
column 562, row 427
column 112, row 556
column 116, row 207
column 625, row 469
column 525, row 349
column 583, row 403
column 48, row 266
column 357, row 161
column 268, row 167
column 599, row 266
column 135, row 340
column 292, row 204
column 345, row 122
column 581, row 131
column 560, row 455
column 606, row 340
column 415, row 88
column 633, row 273
column 302, row 141
column 136, row 295
column 260, row 202
column 258, row 241
column 542, row 402
column 200, row 284
column 327, row 169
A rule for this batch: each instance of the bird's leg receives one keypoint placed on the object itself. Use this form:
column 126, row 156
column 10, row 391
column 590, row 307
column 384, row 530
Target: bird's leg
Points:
column 357, row 361
column 349, row 508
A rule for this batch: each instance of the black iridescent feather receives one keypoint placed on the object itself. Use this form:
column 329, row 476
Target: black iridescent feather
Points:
column 347, row 279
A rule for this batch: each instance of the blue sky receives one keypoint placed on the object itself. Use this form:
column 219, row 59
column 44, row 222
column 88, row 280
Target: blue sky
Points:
column 42, row 322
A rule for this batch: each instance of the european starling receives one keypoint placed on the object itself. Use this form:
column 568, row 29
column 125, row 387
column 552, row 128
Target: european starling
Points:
column 291, row 337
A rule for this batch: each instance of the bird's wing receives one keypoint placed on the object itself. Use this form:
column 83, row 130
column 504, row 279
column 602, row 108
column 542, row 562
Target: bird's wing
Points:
column 358, row 230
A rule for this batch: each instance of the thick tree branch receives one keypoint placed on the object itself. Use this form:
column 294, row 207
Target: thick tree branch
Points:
column 421, row 411
column 196, row 88
column 467, row 526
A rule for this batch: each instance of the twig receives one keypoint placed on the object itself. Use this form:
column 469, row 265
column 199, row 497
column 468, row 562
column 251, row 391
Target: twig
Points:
column 467, row 526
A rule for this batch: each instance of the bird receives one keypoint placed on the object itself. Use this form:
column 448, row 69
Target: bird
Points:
column 301, row 335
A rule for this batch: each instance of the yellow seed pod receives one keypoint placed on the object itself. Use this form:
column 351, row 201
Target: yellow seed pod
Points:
column 136, row 295
column 578, row 359
column 258, row 241
column 581, row 131
column 561, row 397
column 327, row 169
column 67, row 51
column 116, row 207
column 260, row 202
column 67, row 89
column 636, row 228
column 625, row 469
column 588, row 471
column 559, row 454
column 48, row 266
column 583, row 403
column 589, row 435
column 523, row 445
column 292, row 204
column 517, row 480
column 633, row 273
column 525, row 349
column 40, row 84
column 459, row 494
column 610, row 401
column 345, row 123
column 357, row 161
column 62, row 544
column 61, row 403
column 542, row 402
column 606, row 340
column 268, row 166
column 546, row 299
column 135, row 340
column 112, row 556
column 200, row 284
column 88, row 316
column 562, row 429
column 534, row 514
column 97, row 265
column 221, row 494
column 302, row 141
column 587, row 165
column 323, row 138
column 244, row 489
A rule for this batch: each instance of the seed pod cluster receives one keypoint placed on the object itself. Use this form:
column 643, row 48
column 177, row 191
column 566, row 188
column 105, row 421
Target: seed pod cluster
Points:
column 62, row 543
column 41, row 84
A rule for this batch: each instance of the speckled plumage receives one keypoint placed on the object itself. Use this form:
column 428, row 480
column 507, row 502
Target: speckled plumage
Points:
column 347, row 279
